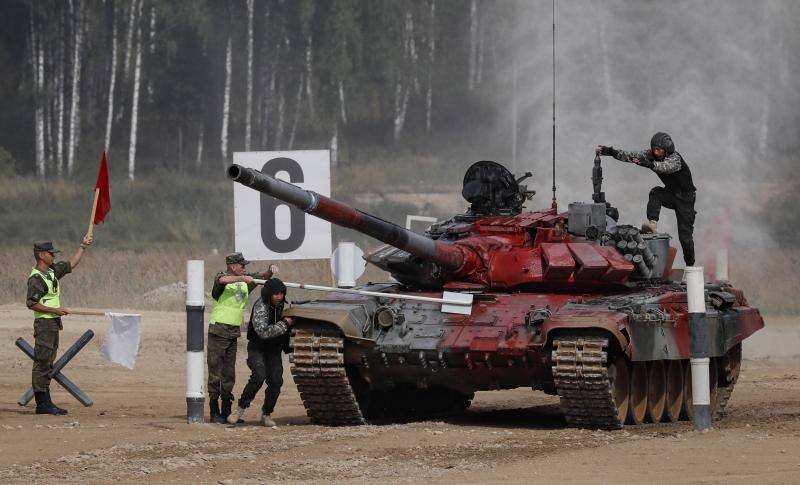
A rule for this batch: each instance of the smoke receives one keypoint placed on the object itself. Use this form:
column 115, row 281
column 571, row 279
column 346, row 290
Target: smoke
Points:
column 715, row 75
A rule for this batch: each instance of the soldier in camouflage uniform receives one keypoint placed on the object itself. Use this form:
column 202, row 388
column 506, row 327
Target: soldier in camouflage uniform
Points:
column 43, row 298
column 678, row 192
column 267, row 337
column 230, row 293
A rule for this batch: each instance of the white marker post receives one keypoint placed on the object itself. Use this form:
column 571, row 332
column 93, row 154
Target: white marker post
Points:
column 195, row 305
column 699, row 348
column 347, row 264
column 722, row 264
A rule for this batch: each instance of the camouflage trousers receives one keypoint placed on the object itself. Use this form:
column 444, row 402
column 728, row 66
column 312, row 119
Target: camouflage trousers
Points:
column 221, row 359
column 45, row 334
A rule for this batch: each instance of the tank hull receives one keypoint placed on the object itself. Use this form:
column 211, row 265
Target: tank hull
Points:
column 539, row 340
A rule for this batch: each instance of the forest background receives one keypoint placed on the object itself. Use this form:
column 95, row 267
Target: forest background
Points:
column 406, row 94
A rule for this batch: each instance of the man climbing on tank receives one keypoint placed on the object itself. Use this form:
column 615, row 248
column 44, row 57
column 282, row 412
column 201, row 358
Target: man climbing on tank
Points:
column 678, row 192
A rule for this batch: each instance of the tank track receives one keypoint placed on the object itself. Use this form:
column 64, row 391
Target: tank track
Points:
column 724, row 393
column 581, row 378
column 321, row 378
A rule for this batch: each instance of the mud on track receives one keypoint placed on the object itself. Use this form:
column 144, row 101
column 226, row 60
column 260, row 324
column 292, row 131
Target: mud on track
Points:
column 136, row 430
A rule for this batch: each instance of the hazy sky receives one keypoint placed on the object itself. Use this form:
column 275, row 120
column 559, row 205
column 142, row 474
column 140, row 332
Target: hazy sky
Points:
column 716, row 75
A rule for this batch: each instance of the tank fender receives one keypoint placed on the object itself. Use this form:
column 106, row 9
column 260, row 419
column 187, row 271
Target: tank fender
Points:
column 611, row 322
column 338, row 316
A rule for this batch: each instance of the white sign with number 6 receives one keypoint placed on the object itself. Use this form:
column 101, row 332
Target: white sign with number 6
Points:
column 265, row 228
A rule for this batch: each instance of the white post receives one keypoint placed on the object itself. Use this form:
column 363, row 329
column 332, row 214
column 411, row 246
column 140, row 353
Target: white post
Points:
column 346, row 265
column 699, row 348
column 195, row 305
column 722, row 264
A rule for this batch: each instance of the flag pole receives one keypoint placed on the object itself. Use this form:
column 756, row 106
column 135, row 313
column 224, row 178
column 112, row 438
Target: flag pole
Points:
column 94, row 211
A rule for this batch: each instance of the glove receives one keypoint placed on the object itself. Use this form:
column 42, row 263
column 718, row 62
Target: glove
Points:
column 608, row 151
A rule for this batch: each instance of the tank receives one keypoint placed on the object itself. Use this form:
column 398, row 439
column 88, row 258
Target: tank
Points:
column 569, row 303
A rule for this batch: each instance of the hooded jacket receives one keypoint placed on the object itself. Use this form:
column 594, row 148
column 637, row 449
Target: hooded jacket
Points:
column 267, row 328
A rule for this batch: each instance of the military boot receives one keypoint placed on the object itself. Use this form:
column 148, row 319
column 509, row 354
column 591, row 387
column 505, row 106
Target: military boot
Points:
column 213, row 408
column 649, row 227
column 61, row 411
column 267, row 421
column 43, row 405
column 226, row 410
column 236, row 417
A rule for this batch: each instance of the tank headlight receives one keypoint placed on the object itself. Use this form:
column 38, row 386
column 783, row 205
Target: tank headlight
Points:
column 387, row 316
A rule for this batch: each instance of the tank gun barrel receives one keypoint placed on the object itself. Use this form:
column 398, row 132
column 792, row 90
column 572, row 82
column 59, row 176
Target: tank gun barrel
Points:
column 445, row 255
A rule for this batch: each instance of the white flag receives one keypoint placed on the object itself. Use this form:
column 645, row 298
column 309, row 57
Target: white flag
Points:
column 122, row 339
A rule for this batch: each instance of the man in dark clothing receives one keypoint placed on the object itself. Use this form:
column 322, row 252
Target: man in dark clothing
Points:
column 678, row 192
column 267, row 337
column 43, row 297
column 230, row 293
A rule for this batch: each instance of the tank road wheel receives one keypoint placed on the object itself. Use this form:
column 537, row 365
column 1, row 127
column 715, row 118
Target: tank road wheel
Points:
column 656, row 391
column 686, row 410
column 674, row 391
column 620, row 385
column 637, row 409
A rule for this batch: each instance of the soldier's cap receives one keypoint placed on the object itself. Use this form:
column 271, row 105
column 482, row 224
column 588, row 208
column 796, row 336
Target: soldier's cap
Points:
column 45, row 246
column 235, row 258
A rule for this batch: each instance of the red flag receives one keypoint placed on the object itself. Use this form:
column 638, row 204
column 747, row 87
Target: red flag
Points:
column 104, row 196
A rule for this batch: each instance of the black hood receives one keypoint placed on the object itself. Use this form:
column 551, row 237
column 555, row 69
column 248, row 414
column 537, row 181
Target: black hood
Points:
column 664, row 141
column 272, row 286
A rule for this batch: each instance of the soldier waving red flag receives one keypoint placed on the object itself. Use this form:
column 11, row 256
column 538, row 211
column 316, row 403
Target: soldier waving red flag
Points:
column 102, row 196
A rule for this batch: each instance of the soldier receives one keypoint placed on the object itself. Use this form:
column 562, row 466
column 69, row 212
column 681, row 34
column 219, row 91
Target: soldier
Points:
column 678, row 192
column 43, row 299
column 267, row 337
column 230, row 294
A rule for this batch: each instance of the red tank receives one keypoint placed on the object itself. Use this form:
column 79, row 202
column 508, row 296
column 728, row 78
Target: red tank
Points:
column 570, row 303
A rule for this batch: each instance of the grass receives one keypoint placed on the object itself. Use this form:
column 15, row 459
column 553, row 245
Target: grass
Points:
column 125, row 279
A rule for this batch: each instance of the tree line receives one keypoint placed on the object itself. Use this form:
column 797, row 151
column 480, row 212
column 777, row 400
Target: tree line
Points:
column 182, row 84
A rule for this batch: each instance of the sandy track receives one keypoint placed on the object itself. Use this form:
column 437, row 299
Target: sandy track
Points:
column 136, row 430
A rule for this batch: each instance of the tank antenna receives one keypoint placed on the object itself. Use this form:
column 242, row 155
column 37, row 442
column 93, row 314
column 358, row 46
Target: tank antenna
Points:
column 555, row 204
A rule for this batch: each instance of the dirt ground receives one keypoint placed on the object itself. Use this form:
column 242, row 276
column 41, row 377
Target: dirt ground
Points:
column 136, row 429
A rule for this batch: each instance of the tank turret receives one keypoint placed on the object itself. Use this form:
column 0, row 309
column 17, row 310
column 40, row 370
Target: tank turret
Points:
column 493, row 245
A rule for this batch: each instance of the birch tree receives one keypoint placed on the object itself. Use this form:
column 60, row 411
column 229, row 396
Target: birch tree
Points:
column 129, row 38
column 151, row 42
column 74, row 117
column 112, row 79
column 249, row 103
column 402, row 85
column 199, row 160
column 309, row 74
column 38, row 75
column 61, row 86
column 298, row 101
column 473, row 43
column 268, row 57
column 431, row 64
column 226, row 103
column 763, row 132
column 137, row 74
